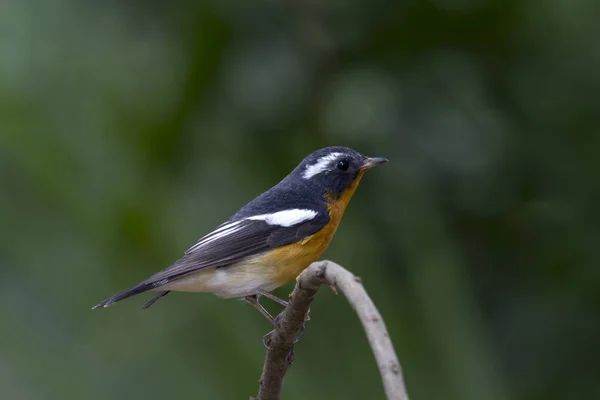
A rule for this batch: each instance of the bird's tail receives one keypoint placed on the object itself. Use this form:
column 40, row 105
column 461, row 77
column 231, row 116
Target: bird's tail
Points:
column 132, row 291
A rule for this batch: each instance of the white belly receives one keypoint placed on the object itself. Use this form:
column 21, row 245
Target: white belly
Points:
column 237, row 280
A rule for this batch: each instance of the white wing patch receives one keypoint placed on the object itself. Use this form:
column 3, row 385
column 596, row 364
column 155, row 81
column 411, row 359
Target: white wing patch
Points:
column 286, row 217
column 283, row 218
column 220, row 232
column 320, row 165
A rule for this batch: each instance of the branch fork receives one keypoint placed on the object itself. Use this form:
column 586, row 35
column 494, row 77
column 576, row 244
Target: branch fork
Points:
column 280, row 342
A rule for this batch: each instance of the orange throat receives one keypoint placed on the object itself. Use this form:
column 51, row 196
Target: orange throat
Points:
column 289, row 261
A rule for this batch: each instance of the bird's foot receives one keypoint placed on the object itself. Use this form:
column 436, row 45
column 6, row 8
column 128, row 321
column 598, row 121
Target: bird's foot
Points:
column 253, row 301
column 266, row 337
column 271, row 296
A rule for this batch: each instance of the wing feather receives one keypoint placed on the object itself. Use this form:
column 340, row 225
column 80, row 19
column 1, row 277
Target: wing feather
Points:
column 247, row 238
column 228, row 244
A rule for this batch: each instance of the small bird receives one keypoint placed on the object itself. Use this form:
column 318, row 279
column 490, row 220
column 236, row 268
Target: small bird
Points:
column 272, row 239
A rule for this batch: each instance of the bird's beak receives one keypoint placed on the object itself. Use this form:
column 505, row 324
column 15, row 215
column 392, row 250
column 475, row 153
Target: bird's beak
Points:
column 371, row 162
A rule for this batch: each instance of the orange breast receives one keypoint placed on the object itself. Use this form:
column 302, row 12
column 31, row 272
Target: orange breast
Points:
column 289, row 261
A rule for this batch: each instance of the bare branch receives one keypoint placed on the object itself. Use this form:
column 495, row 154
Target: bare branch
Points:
column 280, row 353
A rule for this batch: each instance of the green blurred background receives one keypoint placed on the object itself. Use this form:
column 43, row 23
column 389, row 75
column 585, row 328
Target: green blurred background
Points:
column 130, row 129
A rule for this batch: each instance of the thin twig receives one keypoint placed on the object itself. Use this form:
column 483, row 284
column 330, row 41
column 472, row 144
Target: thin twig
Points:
column 280, row 351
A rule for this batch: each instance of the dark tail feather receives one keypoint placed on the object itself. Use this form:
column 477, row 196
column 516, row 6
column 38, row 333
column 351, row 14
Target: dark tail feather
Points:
column 137, row 289
column 155, row 298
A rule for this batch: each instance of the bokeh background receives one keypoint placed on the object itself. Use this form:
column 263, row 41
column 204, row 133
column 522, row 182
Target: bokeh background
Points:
column 130, row 129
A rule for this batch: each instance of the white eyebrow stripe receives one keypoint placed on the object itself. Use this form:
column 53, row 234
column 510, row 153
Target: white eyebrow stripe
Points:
column 320, row 165
column 286, row 217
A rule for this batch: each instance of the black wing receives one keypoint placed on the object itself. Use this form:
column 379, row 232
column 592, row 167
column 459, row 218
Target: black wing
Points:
column 228, row 244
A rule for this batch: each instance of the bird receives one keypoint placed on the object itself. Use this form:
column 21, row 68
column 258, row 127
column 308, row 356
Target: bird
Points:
column 270, row 240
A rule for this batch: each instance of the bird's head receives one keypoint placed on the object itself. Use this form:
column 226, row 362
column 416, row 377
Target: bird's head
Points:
column 335, row 170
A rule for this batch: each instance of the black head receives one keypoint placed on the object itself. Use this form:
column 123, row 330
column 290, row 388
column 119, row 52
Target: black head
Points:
column 332, row 170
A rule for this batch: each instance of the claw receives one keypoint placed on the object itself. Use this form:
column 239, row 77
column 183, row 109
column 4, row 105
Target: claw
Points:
column 275, row 321
column 291, row 357
column 301, row 333
column 265, row 338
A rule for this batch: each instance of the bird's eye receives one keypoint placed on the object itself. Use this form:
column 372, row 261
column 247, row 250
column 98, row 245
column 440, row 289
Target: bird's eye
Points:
column 343, row 164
